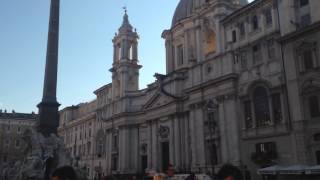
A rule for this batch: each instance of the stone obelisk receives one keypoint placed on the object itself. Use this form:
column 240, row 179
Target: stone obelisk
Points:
column 48, row 107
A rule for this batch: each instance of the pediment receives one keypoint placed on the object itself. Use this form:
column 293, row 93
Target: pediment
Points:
column 157, row 100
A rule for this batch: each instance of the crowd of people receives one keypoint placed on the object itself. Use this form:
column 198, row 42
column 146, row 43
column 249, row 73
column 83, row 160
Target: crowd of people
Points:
column 226, row 172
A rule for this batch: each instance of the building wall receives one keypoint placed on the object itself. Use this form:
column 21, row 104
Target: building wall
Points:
column 12, row 128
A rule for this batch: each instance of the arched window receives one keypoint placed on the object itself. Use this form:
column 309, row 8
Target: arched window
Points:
column 261, row 106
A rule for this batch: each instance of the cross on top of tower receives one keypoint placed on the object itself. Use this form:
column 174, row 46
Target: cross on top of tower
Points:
column 125, row 9
column 126, row 26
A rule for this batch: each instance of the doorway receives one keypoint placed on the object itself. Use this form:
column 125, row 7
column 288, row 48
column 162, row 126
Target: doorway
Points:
column 165, row 155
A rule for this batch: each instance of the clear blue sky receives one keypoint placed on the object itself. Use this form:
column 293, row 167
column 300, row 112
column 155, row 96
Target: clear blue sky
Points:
column 85, row 55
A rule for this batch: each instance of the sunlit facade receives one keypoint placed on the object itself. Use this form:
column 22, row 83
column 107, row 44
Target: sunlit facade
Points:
column 242, row 86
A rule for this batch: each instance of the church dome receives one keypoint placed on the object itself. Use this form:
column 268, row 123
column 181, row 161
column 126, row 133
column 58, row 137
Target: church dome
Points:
column 186, row 7
column 183, row 10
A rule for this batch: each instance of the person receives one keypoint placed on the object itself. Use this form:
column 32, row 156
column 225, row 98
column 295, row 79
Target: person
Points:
column 229, row 172
column 64, row 173
column 192, row 176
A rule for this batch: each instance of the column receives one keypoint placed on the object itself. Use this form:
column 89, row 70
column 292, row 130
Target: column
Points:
column 169, row 56
column 155, row 152
column 193, row 138
column 114, row 53
column 177, row 141
column 135, row 51
column 200, row 136
column 199, row 43
column 233, row 130
column 186, row 47
column 149, row 146
column 223, row 130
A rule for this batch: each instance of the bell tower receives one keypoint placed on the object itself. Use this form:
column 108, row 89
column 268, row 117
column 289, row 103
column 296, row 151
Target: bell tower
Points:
column 125, row 68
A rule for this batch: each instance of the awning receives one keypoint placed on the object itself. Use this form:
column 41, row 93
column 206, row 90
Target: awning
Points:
column 313, row 170
column 295, row 169
column 272, row 170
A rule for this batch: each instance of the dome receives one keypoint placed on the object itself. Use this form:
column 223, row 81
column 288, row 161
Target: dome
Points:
column 183, row 10
column 186, row 7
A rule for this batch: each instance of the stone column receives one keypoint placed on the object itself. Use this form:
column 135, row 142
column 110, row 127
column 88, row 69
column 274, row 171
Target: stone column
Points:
column 149, row 152
column 193, row 137
column 223, row 130
column 199, row 43
column 233, row 130
column 177, row 141
column 114, row 53
column 135, row 51
column 187, row 145
column 155, row 147
column 200, row 136
column 186, row 47
column 124, row 49
column 169, row 58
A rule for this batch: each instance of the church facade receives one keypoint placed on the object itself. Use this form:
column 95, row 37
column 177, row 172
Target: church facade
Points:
column 242, row 86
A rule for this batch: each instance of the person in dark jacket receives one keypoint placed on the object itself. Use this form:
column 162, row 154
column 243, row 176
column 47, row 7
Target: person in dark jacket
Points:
column 229, row 172
column 64, row 173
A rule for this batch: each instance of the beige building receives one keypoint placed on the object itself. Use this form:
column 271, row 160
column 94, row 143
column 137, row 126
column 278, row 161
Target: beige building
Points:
column 78, row 128
column 12, row 128
column 242, row 87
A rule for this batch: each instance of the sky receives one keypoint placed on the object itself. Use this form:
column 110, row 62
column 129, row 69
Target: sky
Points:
column 85, row 47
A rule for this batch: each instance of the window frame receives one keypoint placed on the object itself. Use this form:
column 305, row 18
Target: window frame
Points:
column 255, row 23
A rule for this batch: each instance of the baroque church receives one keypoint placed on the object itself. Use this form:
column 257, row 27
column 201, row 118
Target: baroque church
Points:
column 242, row 86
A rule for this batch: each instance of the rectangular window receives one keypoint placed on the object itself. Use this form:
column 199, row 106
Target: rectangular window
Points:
column 115, row 143
column 271, row 49
column 243, row 59
column 304, row 3
column 268, row 16
column 211, row 123
column 307, row 59
column 314, row 106
column 305, row 20
column 5, row 158
column 180, row 54
column 7, row 142
column 255, row 22
column 234, row 36
column 256, row 50
column 248, row 115
column 88, row 148
column 17, row 143
column 242, row 30
column 268, row 148
column 277, row 110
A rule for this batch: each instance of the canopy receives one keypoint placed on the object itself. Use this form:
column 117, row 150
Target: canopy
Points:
column 295, row 169
column 313, row 170
column 272, row 170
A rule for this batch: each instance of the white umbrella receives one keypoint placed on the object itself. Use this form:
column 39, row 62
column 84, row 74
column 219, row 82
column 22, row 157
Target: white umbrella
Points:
column 272, row 170
column 295, row 169
column 313, row 170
